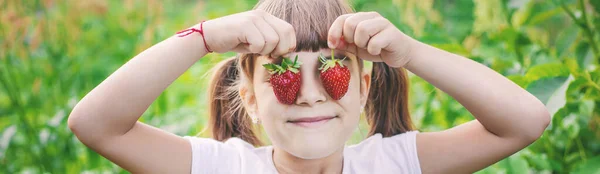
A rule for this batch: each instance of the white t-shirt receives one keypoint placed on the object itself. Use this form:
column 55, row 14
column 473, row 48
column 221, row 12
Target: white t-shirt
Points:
column 396, row 154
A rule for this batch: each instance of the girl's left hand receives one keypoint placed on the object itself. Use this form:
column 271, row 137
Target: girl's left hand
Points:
column 372, row 37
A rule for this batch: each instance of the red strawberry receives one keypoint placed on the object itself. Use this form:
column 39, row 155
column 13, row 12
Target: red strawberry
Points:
column 334, row 76
column 285, row 79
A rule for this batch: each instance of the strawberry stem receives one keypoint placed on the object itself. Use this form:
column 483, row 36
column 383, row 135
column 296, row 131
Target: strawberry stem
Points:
column 332, row 55
column 330, row 63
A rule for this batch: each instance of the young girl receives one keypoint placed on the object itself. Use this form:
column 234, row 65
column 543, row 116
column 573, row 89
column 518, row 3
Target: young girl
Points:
column 307, row 135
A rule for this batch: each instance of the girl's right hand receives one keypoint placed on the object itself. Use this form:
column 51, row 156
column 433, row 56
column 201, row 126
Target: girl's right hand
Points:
column 253, row 31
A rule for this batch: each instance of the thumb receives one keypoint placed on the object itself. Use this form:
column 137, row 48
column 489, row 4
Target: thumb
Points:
column 348, row 47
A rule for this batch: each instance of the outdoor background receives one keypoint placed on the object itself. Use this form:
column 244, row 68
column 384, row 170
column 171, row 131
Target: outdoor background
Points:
column 53, row 52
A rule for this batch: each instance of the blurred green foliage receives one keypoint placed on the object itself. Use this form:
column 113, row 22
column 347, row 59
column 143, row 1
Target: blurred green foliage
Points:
column 53, row 52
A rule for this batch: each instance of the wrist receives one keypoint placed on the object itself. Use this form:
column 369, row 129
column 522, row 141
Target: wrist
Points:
column 413, row 53
column 199, row 30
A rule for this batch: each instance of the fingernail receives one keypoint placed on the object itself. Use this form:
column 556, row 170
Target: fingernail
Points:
column 330, row 44
column 334, row 43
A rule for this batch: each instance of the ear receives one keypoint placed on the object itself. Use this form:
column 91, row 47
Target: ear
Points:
column 365, row 85
column 248, row 100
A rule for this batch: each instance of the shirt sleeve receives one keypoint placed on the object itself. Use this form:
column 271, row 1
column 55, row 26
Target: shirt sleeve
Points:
column 211, row 156
column 401, row 149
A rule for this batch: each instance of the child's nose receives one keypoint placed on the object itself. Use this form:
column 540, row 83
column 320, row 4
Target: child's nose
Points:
column 311, row 90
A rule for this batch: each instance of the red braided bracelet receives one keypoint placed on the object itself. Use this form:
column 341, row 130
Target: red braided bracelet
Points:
column 189, row 31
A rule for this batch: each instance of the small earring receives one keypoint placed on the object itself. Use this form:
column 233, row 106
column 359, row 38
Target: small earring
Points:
column 254, row 119
column 362, row 109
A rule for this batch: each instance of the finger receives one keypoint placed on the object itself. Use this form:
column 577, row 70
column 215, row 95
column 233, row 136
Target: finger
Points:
column 286, row 33
column 335, row 31
column 364, row 55
column 269, row 34
column 378, row 42
column 352, row 48
column 367, row 29
column 359, row 52
column 241, row 48
column 252, row 38
column 292, row 37
column 350, row 24
column 345, row 46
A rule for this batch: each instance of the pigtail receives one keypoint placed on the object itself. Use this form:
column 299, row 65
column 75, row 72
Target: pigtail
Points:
column 387, row 107
column 228, row 118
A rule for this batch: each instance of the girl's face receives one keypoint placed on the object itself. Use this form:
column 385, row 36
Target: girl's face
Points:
column 314, row 140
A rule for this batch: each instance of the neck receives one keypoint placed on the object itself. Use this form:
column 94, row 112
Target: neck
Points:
column 288, row 163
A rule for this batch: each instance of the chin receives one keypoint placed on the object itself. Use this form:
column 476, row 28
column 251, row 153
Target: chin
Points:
column 314, row 150
column 313, row 143
column 314, row 146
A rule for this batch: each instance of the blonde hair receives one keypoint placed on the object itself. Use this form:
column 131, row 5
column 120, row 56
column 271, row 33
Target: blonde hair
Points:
column 387, row 106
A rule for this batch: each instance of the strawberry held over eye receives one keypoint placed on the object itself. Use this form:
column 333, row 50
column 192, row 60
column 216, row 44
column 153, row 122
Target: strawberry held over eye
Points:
column 285, row 79
column 334, row 76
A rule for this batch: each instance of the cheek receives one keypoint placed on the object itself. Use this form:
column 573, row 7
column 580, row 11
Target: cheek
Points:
column 351, row 104
column 269, row 112
column 351, row 101
column 268, row 108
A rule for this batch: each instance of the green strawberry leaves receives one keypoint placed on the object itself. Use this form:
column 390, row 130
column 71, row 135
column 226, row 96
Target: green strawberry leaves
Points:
column 327, row 64
column 286, row 65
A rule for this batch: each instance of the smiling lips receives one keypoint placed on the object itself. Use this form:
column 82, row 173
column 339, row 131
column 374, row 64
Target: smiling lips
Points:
column 311, row 121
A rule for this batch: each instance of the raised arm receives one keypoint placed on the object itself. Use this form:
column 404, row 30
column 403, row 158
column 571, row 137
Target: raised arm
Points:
column 106, row 118
column 508, row 118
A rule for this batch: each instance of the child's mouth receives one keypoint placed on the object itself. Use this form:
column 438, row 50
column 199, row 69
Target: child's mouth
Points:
column 310, row 122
